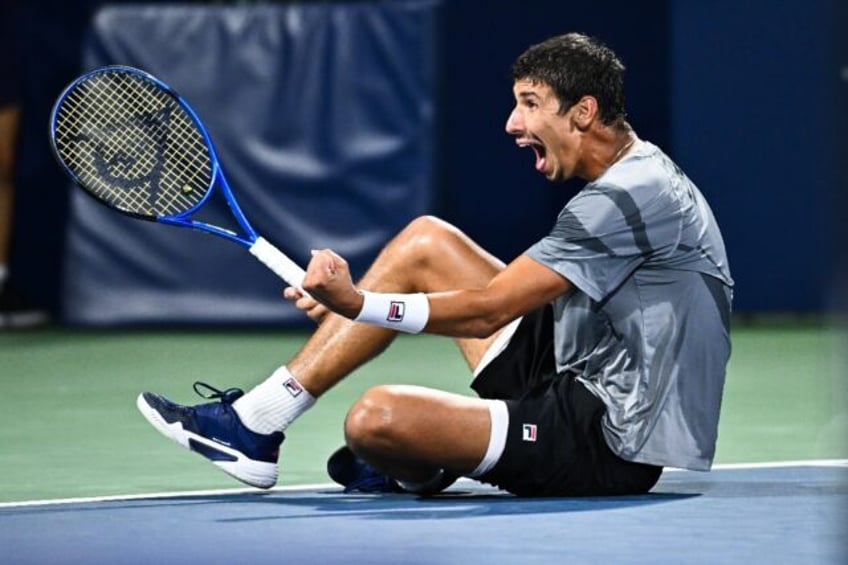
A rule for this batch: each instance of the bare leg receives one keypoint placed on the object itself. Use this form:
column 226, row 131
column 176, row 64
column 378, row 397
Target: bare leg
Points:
column 408, row 432
column 428, row 255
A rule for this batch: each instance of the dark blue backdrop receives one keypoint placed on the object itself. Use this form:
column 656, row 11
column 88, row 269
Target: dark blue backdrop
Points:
column 749, row 99
column 759, row 94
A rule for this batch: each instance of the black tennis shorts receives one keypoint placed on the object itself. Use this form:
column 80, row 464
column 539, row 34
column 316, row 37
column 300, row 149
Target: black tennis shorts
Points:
column 555, row 445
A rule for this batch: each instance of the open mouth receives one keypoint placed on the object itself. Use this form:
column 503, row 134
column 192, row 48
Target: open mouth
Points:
column 538, row 148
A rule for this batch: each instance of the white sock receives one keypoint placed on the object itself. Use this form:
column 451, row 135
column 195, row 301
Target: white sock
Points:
column 273, row 404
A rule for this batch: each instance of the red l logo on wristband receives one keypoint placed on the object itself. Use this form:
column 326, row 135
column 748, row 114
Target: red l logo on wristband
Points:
column 396, row 310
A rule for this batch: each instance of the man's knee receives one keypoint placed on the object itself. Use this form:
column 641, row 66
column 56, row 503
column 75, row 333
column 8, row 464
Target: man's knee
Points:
column 425, row 237
column 429, row 226
column 370, row 425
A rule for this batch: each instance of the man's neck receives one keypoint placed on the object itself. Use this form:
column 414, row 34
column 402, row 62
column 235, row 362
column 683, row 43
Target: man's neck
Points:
column 606, row 145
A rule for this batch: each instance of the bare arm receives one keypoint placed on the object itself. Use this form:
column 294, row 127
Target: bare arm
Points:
column 523, row 286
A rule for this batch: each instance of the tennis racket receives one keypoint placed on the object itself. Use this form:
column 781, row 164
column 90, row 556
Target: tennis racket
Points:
column 135, row 145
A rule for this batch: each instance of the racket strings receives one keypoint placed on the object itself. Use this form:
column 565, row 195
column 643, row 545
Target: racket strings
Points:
column 143, row 136
column 133, row 145
column 86, row 116
column 91, row 115
column 173, row 199
column 137, row 145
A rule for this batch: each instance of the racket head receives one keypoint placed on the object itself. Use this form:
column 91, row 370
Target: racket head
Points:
column 130, row 141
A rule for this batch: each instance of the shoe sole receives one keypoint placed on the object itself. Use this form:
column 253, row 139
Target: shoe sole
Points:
column 254, row 473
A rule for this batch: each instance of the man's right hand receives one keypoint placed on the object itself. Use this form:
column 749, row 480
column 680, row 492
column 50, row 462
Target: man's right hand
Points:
column 305, row 303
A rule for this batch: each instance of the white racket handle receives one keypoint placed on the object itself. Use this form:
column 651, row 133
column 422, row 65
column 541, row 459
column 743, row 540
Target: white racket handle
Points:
column 278, row 262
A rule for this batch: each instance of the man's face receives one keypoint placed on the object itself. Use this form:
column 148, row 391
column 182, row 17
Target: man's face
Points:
column 535, row 123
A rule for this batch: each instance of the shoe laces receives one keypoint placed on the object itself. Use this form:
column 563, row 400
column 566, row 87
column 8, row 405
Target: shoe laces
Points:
column 209, row 392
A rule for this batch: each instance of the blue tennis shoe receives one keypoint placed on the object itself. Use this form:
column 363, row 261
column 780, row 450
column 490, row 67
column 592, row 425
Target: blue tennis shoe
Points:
column 215, row 431
column 355, row 475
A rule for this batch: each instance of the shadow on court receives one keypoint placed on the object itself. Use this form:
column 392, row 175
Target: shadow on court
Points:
column 789, row 514
column 455, row 504
column 451, row 506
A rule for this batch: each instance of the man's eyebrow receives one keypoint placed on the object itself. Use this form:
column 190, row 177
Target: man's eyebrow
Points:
column 528, row 94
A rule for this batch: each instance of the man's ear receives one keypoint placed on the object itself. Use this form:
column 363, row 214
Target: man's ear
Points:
column 585, row 112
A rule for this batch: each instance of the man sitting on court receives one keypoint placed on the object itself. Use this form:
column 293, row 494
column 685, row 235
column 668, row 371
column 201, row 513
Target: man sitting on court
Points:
column 599, row 354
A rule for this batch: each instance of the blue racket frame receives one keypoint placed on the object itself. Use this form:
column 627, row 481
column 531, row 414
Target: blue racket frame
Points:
column 218, row 179
column 260, row 248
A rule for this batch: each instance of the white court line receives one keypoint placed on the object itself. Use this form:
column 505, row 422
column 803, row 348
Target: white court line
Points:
column 317, row 486
column 159, row 495
column 774, row 464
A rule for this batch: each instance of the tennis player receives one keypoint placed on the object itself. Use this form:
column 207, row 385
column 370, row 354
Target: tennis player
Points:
column 599, row 354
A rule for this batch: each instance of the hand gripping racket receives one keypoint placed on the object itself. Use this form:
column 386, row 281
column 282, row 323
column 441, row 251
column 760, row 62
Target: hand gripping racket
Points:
column 135, row 145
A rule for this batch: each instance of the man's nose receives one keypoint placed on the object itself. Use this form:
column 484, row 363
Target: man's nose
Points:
column 514, row 123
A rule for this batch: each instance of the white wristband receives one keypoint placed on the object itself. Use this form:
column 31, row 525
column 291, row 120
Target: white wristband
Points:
column 402, row 312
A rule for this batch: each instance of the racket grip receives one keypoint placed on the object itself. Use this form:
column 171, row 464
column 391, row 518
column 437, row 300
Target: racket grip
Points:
column 278, row 262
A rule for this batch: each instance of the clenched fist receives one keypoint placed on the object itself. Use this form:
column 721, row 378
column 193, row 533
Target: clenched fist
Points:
column 328, row 281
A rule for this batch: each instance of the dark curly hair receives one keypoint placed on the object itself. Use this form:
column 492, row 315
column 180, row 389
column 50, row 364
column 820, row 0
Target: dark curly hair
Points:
column 575, row 65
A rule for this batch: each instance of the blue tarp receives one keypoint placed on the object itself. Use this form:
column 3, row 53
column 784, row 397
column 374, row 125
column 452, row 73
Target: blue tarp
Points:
column 323, row 116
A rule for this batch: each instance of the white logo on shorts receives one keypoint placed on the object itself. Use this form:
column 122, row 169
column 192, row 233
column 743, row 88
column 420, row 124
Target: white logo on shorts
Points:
column 528, row 432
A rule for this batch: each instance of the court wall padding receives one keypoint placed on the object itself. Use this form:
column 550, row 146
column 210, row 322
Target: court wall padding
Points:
column 324, row 118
